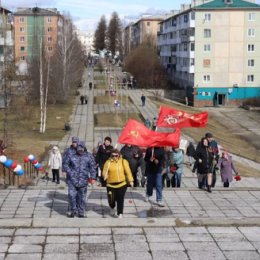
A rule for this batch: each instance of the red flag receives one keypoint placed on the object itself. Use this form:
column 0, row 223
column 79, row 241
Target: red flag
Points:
column 136, row 133
column 170, row 117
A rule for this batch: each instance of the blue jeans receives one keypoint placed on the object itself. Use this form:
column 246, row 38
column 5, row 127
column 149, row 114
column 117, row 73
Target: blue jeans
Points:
column 154, row 180
column 178, row 179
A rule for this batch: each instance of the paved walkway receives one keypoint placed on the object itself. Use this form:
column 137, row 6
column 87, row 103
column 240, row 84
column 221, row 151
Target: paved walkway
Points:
column 193, row 224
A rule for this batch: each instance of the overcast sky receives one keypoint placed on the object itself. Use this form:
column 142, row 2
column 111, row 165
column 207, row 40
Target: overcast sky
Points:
column 86, row 13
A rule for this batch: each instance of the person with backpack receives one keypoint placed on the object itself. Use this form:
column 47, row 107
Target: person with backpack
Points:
column 117, row 174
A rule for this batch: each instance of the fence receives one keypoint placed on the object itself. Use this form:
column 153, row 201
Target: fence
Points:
column 9, row 178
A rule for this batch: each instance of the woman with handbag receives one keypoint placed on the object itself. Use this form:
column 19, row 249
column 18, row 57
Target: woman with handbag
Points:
column 117, row 174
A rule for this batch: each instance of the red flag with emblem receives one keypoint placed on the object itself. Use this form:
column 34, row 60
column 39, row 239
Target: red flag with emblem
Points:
column 136, row 133
column 170, row 117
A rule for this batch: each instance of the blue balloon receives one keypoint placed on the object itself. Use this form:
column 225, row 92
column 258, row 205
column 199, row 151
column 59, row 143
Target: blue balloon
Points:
column 8, row 163
column 20, row 172
column 38, row 165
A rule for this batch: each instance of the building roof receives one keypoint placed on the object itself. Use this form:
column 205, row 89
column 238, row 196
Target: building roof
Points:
column 223, row 4
column 2, row 9
column 37, row 11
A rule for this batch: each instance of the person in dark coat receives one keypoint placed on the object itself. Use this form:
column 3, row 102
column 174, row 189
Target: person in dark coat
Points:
column 204, row 162
column 155, row 159
column 190, row 152
column 82, row 99
column 133, row 154
column 143, row 100
column 80, row 167
column 102, row 155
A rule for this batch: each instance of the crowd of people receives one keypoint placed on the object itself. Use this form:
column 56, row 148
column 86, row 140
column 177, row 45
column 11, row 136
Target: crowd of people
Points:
column 119, row 169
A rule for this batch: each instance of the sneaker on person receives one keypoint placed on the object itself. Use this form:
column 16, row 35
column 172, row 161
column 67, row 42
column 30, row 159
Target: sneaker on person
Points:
column 147, row 198
column 120, row 216
column 160, row 204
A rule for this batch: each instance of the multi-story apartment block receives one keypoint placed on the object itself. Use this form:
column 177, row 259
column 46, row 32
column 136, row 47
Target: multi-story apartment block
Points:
column 35, row 28
column 212, row 50
column 141, row 30
column 87, row 40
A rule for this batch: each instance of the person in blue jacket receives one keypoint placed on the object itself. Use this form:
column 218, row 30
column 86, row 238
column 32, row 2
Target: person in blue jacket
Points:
column 178, row 158
column 80, row 168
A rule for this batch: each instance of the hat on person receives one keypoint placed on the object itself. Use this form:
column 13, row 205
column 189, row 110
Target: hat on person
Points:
column 108, row 139
column 208, row 135
column 81, row 146
column 55, row 148
column 75, row 139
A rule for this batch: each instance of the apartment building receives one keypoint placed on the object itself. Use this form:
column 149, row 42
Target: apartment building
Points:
column 35, row 28
column 137, row 32
column 212, row 50
column 87, row 40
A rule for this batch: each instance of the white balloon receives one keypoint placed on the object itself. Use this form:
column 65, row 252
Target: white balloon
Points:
column 3, row 158
column 17, row 168
column 31, row 157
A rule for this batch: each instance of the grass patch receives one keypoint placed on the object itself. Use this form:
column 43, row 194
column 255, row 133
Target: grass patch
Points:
column 110, row 100
column 225, row 138
column 115, row 119
column 23, row 129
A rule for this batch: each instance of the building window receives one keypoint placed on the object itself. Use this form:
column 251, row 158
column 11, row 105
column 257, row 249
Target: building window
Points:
column 192, row 15
column 192, row 62
column 22, row 39
column 192, row 46
column 21, row 19
column 206, row 78
column 250, row 47
column 148, row 23
column 251, row 63
column 207, row 33
column 250, row 78
column 206, row 63
column 49, row 48
column 251, row 32
column 207, row 17
column 22, row 58
column 185, row 18
column 251, row 17
column 185, row 47
column 49, row 29
column 206, row 47
column 22, row 29
column 22, row 48
column 49, row 19
column 49, row 39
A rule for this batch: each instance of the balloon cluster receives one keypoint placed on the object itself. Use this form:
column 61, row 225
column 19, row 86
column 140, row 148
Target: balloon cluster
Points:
column 34, row 162
column 9, row 163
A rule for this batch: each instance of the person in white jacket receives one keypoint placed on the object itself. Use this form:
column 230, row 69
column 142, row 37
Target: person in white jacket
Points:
column 55, row 164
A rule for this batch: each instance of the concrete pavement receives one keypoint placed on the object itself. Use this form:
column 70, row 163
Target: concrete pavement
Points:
column 193, row 224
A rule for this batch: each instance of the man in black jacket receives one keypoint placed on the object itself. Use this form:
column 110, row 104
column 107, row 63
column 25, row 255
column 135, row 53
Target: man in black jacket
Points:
column 133, row 154
column 154, row 158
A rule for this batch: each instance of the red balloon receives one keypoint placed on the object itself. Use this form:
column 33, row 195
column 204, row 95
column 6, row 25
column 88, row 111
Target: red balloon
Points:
column 13, row 166
column 35, row 162
column 40, row 169
column 26, row 159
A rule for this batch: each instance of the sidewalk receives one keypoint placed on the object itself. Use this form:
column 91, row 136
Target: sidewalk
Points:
column 194, row 224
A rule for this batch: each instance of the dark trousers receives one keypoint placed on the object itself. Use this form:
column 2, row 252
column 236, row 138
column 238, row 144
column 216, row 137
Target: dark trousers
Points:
column 56, row 175
column 115, row 197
